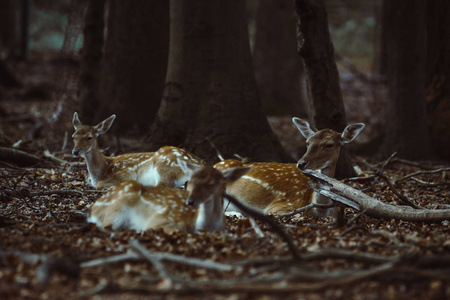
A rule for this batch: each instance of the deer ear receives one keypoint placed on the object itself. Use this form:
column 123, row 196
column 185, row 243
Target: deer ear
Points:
column 350, row 132
column 187, row 167
column 233, row 174
column 76, row 121
column 104, row 126
column 303, row 127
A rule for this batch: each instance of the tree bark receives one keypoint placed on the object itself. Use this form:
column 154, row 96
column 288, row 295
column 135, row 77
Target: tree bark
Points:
column 134, row 63
column 326, row 107
column 9, row 35
column 210, row 94
column 406, row 123
column 91, row 56
column 438, row 75
column 278, row 69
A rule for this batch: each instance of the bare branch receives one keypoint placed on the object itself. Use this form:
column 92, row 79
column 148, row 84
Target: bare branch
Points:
column 256, row 214
column 151, row 258
column 340, row 192
column 422, row 172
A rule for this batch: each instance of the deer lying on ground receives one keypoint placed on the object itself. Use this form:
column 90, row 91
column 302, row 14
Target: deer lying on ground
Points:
column 149, row 168
column 131, row 205
column 277, row 188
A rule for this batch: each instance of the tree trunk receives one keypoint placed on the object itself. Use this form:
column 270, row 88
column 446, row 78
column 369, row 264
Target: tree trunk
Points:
column 9, row 34
column 134, row 62
column 278, row 69
column 210, row 94
column 382, row 63
column 91, row 55
column 438, row 75
column 326, row 108
column 406, row 123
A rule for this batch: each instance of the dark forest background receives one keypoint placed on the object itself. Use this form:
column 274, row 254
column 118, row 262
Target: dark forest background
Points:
column 103, row 57
column 227, row 76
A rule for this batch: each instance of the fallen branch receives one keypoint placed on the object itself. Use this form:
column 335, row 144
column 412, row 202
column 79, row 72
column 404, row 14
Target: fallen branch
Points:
column 54, row 158
column 347, row 195
column 19, row 157
column 201, row 263
column 335, row 279
column 136, row 256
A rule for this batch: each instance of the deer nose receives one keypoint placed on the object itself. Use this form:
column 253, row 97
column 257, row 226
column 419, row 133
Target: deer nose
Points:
column 302, row 165
column 76, row 152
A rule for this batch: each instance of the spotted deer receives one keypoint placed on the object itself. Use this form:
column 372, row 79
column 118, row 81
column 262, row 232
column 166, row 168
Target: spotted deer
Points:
column 277, row 188
column 148, row 168
column 130, row 205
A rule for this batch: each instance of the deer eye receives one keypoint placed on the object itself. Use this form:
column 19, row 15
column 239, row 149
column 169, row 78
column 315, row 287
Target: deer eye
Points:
column 328, row 146
column 89, row 138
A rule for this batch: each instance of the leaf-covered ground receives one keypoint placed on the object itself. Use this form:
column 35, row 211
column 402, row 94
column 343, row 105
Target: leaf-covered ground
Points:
column 47, row 250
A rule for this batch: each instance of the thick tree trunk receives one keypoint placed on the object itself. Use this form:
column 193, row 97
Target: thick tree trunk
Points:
column 9, row 33
column 326, row 107
column 406, row 123
column 91, row 55
column 210, row 94
column 438, row 75
column 278, row 69
column 134, row 63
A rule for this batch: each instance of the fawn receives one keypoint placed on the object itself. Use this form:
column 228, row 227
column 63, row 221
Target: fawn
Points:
column 134, row 206
column 148, row 168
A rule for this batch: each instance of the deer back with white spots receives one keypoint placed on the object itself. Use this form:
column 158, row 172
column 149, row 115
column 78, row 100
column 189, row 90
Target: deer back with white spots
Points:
column 148, row 168
column 131, row 205
column 277, row 188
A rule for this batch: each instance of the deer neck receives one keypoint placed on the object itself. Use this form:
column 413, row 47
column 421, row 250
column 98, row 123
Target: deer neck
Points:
column 320, row 199
column 96, row 163
column 329, row 169
column 210, row 215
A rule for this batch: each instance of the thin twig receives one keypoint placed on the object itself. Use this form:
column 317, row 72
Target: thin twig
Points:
column 388, row 160
column 129, row 256
column 57, row 192
column 256, row 228
column 350, row 222
column 305, row 208
column 163, row 273
column 403, row 198
column 54, row 158
column 422, row 172
column 256, row 214
column 66, row 139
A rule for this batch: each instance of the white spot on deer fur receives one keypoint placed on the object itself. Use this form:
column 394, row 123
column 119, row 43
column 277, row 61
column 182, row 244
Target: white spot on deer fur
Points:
column 264, row 185
column 150, row 177
column 159, row 209
column 94, row 219
column 103, row 203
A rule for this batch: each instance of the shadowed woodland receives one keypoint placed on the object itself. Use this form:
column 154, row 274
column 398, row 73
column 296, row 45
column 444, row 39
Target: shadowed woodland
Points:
column 223, row 80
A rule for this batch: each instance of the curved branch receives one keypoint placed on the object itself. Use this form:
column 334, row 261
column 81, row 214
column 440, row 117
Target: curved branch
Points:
column 340, row 192
column 256, row 214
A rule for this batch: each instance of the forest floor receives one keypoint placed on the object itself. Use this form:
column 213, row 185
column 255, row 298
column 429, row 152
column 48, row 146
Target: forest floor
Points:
column 48, row 251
